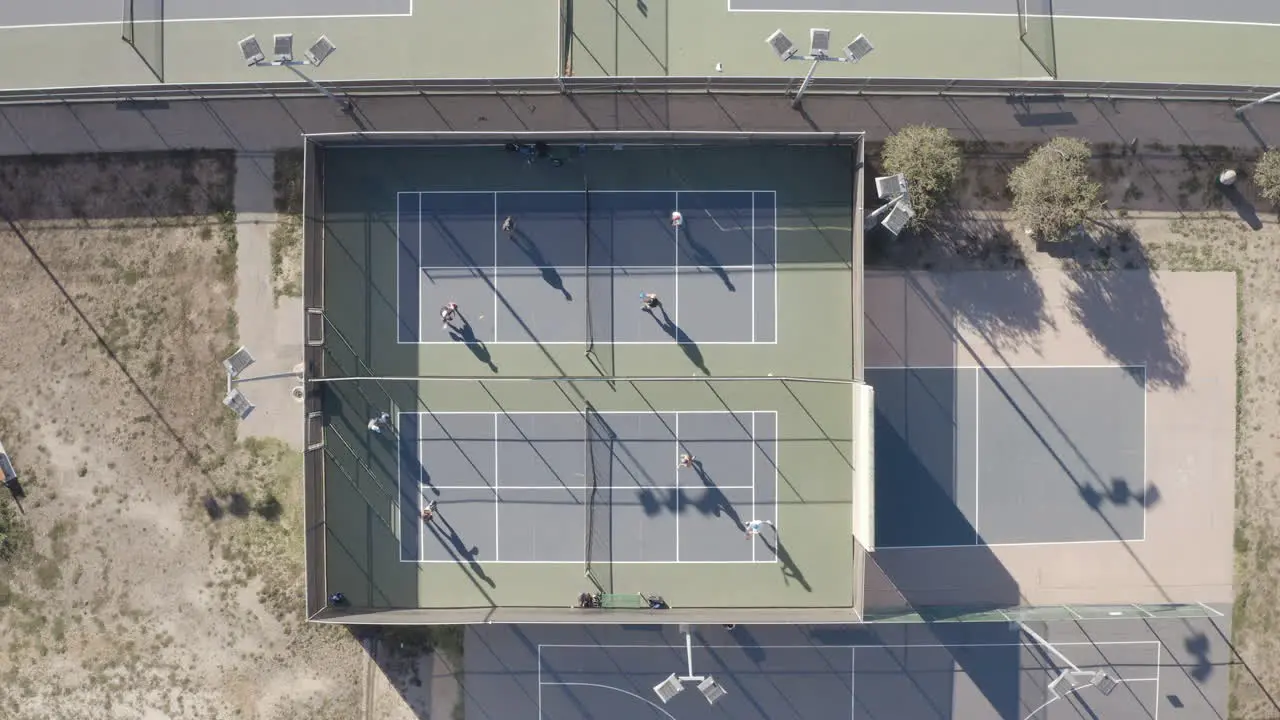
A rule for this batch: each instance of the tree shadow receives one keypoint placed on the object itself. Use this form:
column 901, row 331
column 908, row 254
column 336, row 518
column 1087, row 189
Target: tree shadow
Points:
column 1121, row 306
column 467, row 335
column 980, row 273
column 686, row 343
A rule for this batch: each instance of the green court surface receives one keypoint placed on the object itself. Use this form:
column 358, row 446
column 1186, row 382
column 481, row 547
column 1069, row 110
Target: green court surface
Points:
column 543, row 456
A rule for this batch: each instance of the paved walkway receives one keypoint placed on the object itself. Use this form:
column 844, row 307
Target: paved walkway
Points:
column 266, row 125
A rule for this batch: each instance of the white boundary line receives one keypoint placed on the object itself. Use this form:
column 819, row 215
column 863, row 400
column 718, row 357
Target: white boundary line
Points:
column 580, row 342
column 1006, row 367
column 399, row 243
column 1158, row 668
column 1009, row 544
column 561, row 488
column 495, row 267
column 977, row 456
column 601, row 686
column 653, row 191
column 755, row 441
column 422, row 334
column 853, row 682
column 1055, row 16
column 464, row 271
column 99, row 23
column 871, row 646
column 497, row 523
column 1145, row 463
column 776, row 283
column 675, row 311
column 753, row 276
column 677, row 474
column 400, row 492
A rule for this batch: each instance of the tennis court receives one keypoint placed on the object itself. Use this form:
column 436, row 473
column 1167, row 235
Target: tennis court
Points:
column 1009, row 455
column 573, row 250
column 548, row 421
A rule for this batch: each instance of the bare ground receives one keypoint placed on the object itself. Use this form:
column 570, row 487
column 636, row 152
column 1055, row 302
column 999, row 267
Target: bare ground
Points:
column 1165, row 212
column 155, row 568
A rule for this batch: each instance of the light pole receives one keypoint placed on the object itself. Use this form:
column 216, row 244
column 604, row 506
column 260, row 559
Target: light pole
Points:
column 819, row 42
column 674, row 684
column 1240, row 110
column 251, row 50
column 235, row 366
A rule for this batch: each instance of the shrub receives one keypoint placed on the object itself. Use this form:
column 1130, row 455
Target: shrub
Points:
column 1052, row 191
column 930, row 159
column 1266, row 176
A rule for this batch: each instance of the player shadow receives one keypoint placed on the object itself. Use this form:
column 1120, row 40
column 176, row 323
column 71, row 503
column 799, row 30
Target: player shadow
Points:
column 682, row 338
column 1118, row 493
column 467, row 335
column 712, row 501
column 17, row 492
column 790, row 570
column 454, row 546
column 703, row 256
column 550, row 275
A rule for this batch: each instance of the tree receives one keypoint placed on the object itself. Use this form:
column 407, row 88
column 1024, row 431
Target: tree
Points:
column 1266, row 175
column 930, row 159
column 1052, row 191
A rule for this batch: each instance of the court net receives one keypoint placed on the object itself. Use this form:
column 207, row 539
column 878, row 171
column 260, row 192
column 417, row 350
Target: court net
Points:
column 599, row 464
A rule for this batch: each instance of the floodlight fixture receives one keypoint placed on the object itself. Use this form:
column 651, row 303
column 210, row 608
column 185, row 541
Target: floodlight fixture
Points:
column 782, row 45
column 858, row 49
column 819, row 41
column 819, row 51
column 668, row 688
column 284, row 47
column 321, row 49
column 251, row 51
column 711, row 690
column 674, row 684
column 1240, row 110
column 898, row 217
column 889, row 187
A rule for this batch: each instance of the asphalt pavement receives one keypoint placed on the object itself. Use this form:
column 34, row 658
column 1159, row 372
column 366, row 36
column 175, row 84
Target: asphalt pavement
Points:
column 270, row 124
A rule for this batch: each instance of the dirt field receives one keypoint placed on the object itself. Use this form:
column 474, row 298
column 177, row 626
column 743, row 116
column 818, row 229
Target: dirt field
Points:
column 156, row 572
column 1164, row 212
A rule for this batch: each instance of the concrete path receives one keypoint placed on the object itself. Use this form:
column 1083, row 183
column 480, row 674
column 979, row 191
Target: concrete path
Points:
column 272, row 333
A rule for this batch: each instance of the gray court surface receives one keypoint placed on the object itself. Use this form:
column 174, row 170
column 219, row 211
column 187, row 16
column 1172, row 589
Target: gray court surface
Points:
column 993, row 456
column 577, row 258
column 975, row 671
column 513, row 487
column 1249, row 11
column 82, row 12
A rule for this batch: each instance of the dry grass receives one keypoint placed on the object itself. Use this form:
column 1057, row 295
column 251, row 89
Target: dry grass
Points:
column 157, row 570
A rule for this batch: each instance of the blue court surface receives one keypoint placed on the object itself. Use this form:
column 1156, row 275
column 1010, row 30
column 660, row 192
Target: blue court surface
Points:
column 578, row 259
column 562, row 486
column 969, row 671
column 1010, row 455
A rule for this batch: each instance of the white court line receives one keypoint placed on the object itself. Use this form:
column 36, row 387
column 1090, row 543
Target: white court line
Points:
column 579, row 487
column 577, row 412
column 754, row 437
column 497, row 523
column 1005, row 367
column 93, row 23
column 1007, row 544
column 654, row 191
column 399, row 242
column 422, row 331
column 1055, row 17
column 677, row 434
column 853, row 682
column 611, row 562
column 1158, row 658
column 1145, row 487
column 977, row 457
column 668, row 269
column 400, row 492
column 753, row 276
column 599, row 686
column 495, row 268
column 776, row 288
column 675, row 311
column 615, row 342
column 871, row 646
column 540, row 682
